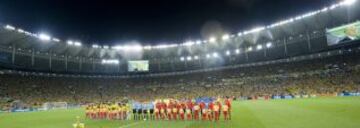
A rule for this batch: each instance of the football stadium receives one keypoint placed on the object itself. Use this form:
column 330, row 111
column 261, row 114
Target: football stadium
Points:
column 300, row 72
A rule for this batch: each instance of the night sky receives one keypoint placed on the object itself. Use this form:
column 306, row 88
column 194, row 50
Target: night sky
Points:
column 147, row 21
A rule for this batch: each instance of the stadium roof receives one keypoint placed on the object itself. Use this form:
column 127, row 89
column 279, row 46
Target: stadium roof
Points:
column 13, row 36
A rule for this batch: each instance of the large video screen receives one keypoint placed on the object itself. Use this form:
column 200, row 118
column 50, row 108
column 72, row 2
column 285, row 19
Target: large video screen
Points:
column 138, row 66
column 343, row 34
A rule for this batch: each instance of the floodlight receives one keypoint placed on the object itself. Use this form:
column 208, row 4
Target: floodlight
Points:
column 147, row 47
column 95, row 46
column 208, row 56
column 240, row 34
column 189, row 43
column 268, row 45
column 69, row 42
column 198, row 42
column 212, row 39
column 189, row 58
column 237, row 51
column 20, row 31
column 259, row 47
column 9, row 27
column 182, row 58
column 77, row 43
column 106, row 47
column 225, row 37
column 196, row 57
column 250, row 49
column 228, row 53
column 349, row 2
column 44, row 37
column 56, row 39
column 215, row 54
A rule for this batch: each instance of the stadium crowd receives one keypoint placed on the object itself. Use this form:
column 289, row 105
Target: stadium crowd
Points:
column 326, row 76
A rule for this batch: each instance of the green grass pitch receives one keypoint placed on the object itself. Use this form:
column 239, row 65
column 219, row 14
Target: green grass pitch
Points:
column 340, row 112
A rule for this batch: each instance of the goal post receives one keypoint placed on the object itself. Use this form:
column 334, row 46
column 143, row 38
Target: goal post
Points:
column 55, row 105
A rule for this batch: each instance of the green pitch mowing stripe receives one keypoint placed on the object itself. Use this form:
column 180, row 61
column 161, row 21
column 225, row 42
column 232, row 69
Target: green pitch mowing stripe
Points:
column 340, row 112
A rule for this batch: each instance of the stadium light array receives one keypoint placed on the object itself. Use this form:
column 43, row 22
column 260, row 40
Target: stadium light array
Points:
column 106, row 47
column 259, row 47
column 189, row 43
column 56, row 39
column 77, row 44
column 69, row 42
column 198, row 42
column 212, row 39
column 349, row 2
column 148, row 47
column 9, row 27
column 225, row 37
column 20, row 30
column 44, row 37
column 111, row 61
column 95, row 46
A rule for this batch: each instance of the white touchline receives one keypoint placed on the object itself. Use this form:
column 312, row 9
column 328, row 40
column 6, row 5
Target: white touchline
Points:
column 128, row 125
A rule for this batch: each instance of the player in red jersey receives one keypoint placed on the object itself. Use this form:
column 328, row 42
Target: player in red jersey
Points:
column 163, row 110
column 211, row 108
column 190, row 106
column 216, row 110
column 157, row 110
column 169, row 110
column 225, row 110
column 196, row 111
column 228, row 103
column 175, row 110
column 204, row 114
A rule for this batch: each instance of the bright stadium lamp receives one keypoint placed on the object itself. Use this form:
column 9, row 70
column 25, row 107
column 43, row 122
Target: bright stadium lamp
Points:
column 349, row 2
column 20, row 30
column 208, row 56
column 259, row 47
column 225, row 37
column 227, row 53
column 56, row 39
column 198, row 42
column 250, row 49
column 237, row 51
column 69, row 42
column 212, row 40
column 182, row 58
column 196, row 57
column 189, row 58
column 77, row 43
column 215, row 54
column 9, row 27
column 44, row 37
column 95, row 46
column 268, row 45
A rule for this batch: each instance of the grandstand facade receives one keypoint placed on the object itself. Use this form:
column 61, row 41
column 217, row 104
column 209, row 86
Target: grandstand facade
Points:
column 299, row 37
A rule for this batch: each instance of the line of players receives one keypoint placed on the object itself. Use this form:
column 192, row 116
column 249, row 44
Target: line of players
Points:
column 183, row 110
column 108, row 111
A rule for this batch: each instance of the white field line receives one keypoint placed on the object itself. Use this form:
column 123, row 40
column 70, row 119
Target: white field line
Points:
column 132, row 124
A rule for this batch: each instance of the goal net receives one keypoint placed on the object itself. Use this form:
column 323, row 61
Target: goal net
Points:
column 55, row 105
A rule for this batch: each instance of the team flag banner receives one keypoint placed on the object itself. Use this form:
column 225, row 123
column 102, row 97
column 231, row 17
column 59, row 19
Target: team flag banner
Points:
column 343, row 34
